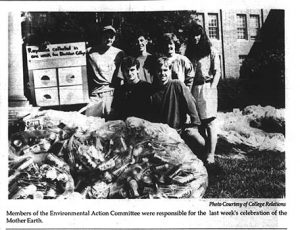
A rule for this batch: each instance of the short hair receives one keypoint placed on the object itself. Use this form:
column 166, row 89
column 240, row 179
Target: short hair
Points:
column 102, row 30
column 161, row 62
column 109, row 28
column 142, row 33
column 170, row 37
column 129, row 61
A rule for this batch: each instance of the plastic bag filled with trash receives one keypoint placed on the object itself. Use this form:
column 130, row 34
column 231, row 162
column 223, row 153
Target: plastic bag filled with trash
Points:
column 255, row 128
column 114, row 159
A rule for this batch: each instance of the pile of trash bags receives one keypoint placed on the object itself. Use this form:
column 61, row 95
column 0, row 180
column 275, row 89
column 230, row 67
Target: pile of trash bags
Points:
column 255, row 128
column 66, row 155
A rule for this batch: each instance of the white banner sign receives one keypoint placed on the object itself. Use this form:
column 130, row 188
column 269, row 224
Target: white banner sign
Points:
column 77, row 49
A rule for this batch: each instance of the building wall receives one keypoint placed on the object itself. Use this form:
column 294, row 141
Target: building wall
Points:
column 234, row 47
column 228, row 44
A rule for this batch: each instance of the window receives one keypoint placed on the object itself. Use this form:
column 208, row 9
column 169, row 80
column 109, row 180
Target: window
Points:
column 200, row 19
column 254, row 26
column 241, row 26
column 213, row 26
column 242, row 58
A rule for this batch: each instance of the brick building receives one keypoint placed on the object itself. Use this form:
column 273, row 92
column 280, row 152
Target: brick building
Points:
column 233, row 33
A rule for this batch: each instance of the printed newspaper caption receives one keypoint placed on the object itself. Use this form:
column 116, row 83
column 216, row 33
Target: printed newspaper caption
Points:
column 215, row 208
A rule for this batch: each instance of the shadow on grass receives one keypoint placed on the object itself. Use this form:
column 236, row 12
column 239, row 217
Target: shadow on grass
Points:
column 259, row 175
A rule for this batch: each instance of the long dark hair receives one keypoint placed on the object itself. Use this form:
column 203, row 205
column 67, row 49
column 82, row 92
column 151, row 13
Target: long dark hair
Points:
column 200, row 50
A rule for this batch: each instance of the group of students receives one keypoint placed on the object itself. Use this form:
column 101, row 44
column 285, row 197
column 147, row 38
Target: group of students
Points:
column 175, row 89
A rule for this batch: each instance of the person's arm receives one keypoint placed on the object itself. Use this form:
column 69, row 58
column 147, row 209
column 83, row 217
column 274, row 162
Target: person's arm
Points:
column 90, row 67
column 117, row 105
column 118, row 78
column 190, row 102
column 217, row 71
column 189, row 73
column 148, row 101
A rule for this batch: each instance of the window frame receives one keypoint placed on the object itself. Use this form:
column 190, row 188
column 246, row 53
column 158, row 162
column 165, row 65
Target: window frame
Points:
column 243, row 27
column 256, row 28
column 216, row 27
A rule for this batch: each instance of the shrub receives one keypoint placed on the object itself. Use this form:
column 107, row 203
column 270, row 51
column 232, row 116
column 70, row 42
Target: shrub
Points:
column 264, row 77
column 232, row 94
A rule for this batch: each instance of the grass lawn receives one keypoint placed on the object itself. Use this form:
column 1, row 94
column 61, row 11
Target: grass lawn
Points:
column 259, row 175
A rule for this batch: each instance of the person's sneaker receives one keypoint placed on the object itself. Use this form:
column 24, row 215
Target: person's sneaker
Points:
column 210, row 158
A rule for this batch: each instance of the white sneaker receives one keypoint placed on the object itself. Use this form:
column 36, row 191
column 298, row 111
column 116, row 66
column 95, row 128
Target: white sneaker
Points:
column 210, row 158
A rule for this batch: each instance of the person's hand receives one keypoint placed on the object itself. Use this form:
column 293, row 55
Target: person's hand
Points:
column 192, row 130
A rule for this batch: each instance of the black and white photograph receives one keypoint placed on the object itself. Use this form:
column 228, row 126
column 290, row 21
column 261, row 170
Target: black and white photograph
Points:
column 134, row 104
column 172, row 104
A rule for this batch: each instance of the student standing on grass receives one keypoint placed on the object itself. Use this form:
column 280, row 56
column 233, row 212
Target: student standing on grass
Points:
column 103, row 66
column 207, row 74
column 145, row 58
column 182, row 67
column 172, row 102
column 133, row 97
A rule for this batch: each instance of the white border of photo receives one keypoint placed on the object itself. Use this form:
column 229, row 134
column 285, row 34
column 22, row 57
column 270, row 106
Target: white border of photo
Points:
column 172, row 222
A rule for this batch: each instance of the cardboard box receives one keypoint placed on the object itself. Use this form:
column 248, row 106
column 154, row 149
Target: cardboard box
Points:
column 71, row 95
column 70, row 76
column 44, row 78
column 55, row 67
column 47, row 96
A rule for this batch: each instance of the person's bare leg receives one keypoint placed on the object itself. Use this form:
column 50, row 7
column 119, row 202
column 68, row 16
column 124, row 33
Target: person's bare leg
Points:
column 203, row 132
column 195, row 141
column 195, row 135
column 211, row 141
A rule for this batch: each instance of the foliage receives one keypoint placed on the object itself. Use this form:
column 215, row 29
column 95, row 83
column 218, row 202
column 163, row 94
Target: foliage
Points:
column 264, row 77
column 59, row 27
column 232, row 94
column 262, row 81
